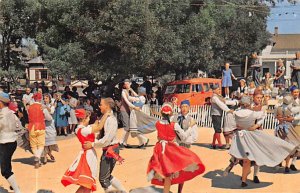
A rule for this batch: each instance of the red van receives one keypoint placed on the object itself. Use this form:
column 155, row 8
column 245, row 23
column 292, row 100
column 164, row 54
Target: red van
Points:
column 195, row 90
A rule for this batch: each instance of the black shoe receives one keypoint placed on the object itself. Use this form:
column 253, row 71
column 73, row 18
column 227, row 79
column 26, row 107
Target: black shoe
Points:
column 213, row 146
column 221, row 147
column 256, row 180
column 244, row 184
column 127, row 146
column 280, row 165
column 293, row 168
column 11, row 188
column 66, row 134
column 287, row 170
column 141, row 146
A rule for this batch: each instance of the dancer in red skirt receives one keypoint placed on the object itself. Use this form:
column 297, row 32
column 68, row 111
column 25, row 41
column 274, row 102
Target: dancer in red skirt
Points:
column 171, row 163
column 83, row 170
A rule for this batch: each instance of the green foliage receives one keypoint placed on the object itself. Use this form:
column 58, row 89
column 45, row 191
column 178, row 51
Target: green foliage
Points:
column 98, row 38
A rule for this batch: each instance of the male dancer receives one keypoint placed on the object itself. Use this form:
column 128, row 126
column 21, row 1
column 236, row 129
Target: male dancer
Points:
column 109, row 143
column 186, row 121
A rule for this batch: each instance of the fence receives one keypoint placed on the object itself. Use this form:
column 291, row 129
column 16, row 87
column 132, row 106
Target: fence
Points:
column 202, row 115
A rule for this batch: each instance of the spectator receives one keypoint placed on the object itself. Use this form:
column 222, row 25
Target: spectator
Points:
column 35, row 87
column 88, row 106
column 72, row 118
column 44, row 88
column 60, row 116
column 75, row 93
column 147, row 84
column 134, row 86
column 296, row 70
column 153, row 100
column 27, row 97
column 242, row 89
column 88, row 91
column 268, row 80
column 159, row 95
column 66, row 91
column 279, row 81
column 53, row 90
column 252, row 88
column 226, row 79
column 256, row 69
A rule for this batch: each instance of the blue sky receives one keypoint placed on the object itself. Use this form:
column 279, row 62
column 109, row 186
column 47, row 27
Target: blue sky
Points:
column 286, row 17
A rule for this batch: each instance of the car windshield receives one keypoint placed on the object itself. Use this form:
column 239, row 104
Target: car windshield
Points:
column 179, row 88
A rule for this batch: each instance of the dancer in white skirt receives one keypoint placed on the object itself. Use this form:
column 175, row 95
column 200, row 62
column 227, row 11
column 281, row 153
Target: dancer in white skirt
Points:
column 250, row 144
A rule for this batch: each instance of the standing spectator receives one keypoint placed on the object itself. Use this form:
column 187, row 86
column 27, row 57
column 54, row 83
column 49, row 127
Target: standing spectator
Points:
column 134, row 86
column 8, row 140
column 27, row 97
column 251, row 88
column 279, row 80
column 66, row 91
column 147, row 84
column 256, row 69
column 53, row 90
column 35, row 87
column 159, row 95
column 44, row 88
column 226, row 79
column 72, row 118
column 88, row 91
column 61, row 120
column 75, row 93
column 296, row 69
column 36, row 128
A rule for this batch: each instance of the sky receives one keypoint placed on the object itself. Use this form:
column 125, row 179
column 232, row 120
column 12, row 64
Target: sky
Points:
column 286, row 17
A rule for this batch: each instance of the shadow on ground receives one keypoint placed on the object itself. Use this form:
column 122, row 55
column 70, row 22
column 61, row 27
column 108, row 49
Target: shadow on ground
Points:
column 44, row 191
column 149, row 189
column 3, row 190
column 276, row 170
column 28, row 160
column 231, row 181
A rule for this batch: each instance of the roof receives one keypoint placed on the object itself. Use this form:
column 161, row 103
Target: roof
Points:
column 196, row 80
column 286, row 42
column 37, row 60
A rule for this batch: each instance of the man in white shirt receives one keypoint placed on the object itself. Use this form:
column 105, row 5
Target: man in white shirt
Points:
column 27, row 97
column 109, row 142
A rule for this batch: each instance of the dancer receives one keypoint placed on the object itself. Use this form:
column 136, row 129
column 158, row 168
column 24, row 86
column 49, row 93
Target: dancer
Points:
column 226, row 79
column 83, row 171
column 108, row 140
column 285, row 129
column 36, row 128
column 171, row 163
column 250, row 144
column 218, row 105
column 185, row 121
column 8, row 140
column 50, row 138
column 128, row 96
column 295, row 109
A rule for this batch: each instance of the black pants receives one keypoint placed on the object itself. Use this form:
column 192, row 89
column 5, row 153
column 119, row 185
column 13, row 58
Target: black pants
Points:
column 106, row 167
column 217, row 123
column 6, row 152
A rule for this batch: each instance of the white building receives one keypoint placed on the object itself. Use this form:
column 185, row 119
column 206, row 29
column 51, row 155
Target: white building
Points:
column 284, row 46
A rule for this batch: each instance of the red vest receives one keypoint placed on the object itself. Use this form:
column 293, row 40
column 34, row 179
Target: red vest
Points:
column 36, row 117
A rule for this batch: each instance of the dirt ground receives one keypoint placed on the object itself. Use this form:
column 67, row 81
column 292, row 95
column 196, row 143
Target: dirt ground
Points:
column 133, row 172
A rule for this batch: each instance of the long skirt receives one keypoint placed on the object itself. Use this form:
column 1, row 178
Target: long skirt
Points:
column 260, row 147
column 141, row 123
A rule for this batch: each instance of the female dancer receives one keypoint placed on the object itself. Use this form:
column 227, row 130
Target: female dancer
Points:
column 171, row 163
column 83, row 171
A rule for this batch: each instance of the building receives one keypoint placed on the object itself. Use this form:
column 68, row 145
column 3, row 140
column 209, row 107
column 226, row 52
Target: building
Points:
column 283, row 46
column 37, row 71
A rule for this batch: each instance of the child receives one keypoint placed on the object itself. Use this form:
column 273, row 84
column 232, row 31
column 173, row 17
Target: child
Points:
column 83, row 171
column 226, row 79
column 252, row 88
column 170, row 162
column 279, row 81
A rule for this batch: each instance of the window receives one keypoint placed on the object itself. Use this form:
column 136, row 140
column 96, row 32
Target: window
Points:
column 44, row 74
column 197, row 88
column 206, row 87
column 179, row 88
column 217, row 84
column 211, row 85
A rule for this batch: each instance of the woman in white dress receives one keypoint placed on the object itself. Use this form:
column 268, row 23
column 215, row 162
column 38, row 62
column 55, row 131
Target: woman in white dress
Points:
column 250, row 144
